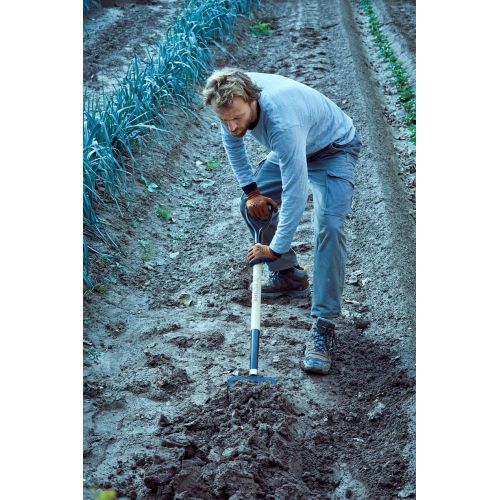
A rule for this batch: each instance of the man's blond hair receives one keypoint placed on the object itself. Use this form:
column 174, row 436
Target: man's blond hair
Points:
column 223, row 85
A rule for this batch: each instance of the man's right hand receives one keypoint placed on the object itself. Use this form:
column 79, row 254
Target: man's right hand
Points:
column 258, row 204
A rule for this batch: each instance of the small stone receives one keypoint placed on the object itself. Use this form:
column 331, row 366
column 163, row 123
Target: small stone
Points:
column 361, row 323
column 352, row 280
column 228, row 453
column 357, row 441
column 177, row 440
column 213, row 456
column 407, row 492
column 376, row 412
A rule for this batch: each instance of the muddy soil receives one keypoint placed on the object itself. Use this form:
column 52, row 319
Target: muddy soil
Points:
column 172, row 326
column 116, row 30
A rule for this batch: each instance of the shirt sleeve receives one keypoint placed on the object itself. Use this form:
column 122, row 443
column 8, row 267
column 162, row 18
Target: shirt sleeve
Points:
column 290, row 146
column 238, row 158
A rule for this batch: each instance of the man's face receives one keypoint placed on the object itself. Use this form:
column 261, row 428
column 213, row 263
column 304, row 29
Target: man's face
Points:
column 238, row 117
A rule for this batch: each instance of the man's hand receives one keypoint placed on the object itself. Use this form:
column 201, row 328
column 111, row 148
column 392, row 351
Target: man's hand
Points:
column 257, row 204
column 260, row 253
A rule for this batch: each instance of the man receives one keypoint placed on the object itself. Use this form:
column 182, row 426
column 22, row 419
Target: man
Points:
column 309, row 138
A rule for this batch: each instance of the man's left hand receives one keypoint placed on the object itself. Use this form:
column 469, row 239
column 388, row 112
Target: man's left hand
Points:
column 260, row 253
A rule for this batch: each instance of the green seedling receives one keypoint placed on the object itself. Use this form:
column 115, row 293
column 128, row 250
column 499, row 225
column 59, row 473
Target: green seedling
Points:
column 97, row 288
column 112, row 279
column 90, row 353
column 146, row 250
column 151, row 186
column 261, row 29
column 119, row 267
column 185, row 299
column 163, row 213
column 109, row 494
column 211, row 164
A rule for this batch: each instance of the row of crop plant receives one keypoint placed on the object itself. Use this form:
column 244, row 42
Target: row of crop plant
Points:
column 404, row 88
column 114, row 126
column 87, row 4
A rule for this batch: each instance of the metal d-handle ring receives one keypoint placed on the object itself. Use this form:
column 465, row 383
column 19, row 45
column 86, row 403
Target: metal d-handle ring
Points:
column 258, row 232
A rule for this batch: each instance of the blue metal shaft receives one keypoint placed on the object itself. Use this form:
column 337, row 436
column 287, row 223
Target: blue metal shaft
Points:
column 254, row 349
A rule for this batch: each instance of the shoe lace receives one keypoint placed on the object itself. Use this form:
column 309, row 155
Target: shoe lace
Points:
column 320, row 341
column 324, row 341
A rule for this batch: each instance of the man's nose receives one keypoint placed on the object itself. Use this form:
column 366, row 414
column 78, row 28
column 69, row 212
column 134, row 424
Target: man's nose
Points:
column 232, row 126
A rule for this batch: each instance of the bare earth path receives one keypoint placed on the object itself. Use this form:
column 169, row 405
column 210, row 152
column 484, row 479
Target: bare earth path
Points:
column 160, row 421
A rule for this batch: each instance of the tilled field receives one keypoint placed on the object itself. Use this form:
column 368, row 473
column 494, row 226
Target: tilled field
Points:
column 172, row 327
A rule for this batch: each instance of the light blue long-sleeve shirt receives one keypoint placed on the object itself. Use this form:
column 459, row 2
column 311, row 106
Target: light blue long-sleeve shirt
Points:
column 295, row 121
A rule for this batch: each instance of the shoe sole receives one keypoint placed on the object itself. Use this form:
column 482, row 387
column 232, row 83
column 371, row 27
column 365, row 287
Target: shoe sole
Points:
column 288, row 293
column 316, row 371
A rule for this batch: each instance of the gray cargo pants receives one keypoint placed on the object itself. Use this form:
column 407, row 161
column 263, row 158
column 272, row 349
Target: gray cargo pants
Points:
column 331, row 177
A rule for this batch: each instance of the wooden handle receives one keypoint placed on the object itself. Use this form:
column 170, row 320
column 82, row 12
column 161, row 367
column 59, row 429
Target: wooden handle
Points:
column 256, row 295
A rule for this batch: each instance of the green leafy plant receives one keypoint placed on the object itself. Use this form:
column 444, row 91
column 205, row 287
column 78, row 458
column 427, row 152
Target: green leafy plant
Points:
column 91, row 353
column 151, row 186
column 163, row 213
column 96, row 288
column 114, row 126
column 111, row 279
column 405, row 91
column 211, row 164
column 261, row 29
column 185, row 299
column 109, row 494
column 146, row 250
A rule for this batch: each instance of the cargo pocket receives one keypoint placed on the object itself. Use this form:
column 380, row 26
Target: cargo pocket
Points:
column 338, row 199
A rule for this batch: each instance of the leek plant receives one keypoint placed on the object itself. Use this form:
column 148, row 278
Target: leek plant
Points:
column 115, row 125
column 86, row 4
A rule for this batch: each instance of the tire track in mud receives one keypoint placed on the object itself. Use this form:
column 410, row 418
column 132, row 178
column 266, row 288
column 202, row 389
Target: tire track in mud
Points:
column 160, row 420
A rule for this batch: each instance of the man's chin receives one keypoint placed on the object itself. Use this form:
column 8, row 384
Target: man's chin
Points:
column 240, row 134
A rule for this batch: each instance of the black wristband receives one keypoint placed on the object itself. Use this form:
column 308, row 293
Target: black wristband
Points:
column 250, row 187
column 275, row 253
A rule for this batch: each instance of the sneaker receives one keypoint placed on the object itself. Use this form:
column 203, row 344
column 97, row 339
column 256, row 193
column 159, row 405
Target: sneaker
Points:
column 292, row 282
column 317, row 358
